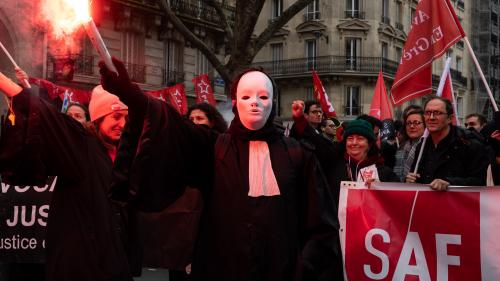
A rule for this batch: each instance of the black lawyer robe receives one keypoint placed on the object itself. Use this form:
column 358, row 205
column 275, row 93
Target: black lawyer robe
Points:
column 82, row 242
column 240, row 237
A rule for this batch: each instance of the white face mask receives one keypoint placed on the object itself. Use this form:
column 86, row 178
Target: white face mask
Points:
column 254, row 99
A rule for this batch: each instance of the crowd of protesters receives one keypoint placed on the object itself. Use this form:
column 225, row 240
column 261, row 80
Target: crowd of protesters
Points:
column 269, row 200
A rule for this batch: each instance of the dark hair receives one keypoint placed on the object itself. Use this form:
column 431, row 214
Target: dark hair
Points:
column 481, row 118
column 85, row 109
column 309, row 103
column 410, row 108
column 375, row 122
column 416, row 110
column 213, row 115
column 447, row 103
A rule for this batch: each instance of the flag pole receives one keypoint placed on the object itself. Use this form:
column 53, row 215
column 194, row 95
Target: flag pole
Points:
column 26, row 83
column 442, row 82
column 492, row 99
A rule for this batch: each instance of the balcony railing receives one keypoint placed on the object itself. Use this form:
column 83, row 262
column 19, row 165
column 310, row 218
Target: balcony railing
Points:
column 399, row 26
column 309, row 16
column 352, row 110
column 385, row 20
column 173, row 77
column 329, row 64
column 461, row 4
column 354, row 14
column 137, row 72
column 203, row 11
column 84, row 65
column 457, row 76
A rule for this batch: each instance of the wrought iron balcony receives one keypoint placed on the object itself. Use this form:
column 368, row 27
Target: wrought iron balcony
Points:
column 399, row 26
column 354, row 14
column 457, row 77
column 137, row 72
column 329, row 64
column 84, row 65
column 202, row 11
column 352, row 110
column 173, row 77
column 461, row 4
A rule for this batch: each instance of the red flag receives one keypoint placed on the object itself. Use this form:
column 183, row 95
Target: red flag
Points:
column 435, row 28
column 203, row 89
column 178, row 99
column 321, row 96
column 54, row 91
column 380, row 107
column 161, row 94
column 448, row 94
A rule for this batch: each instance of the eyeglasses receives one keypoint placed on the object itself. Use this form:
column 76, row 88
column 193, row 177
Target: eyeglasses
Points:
column 316, row 112
column 414, row 123
column 434, row 113
column 472, row 124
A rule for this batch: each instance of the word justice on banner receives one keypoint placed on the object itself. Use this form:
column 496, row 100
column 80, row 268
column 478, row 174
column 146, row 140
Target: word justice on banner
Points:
column 399, row 232
column 24, row 210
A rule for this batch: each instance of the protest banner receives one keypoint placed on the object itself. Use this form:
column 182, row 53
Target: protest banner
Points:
column 396, row 231
column 23, row 219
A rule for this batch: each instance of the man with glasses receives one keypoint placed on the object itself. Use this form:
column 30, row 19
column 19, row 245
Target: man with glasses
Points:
column 313, row 114
column 449, row 157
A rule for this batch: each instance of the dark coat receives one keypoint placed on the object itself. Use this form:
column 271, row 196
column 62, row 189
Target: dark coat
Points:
column 457, row 159
column 82, row 241
column 331, row 157
column 240, row 237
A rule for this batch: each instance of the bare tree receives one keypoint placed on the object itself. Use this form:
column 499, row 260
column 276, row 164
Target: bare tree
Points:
column 242, row 45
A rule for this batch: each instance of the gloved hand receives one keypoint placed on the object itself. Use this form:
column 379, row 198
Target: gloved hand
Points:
column 118, row 84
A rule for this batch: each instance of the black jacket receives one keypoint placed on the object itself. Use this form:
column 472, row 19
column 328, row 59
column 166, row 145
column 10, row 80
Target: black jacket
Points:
column 82, row 239
column 457, row 159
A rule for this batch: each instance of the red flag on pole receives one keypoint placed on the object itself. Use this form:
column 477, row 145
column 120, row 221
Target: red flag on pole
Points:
column 435, row 28
column 203, row 89
column 178, row 99
column 380, row 107
column 161, row 94
column 54, row 91
column 321, row 96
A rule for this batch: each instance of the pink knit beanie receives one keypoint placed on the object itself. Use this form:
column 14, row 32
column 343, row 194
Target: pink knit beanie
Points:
column 103, row 103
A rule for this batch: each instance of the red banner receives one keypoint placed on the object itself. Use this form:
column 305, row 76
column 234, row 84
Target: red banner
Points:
column 435, row 28
column 203, row 89
column 409, row 232
column 321, row 96
column 380, row 107
column 54, row 91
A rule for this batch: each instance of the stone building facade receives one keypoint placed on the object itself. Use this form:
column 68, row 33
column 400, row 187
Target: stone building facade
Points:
column 348, row 42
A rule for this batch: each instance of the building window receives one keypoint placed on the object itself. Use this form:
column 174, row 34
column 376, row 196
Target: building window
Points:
column 133, row 45
column 312, row 11
column 412, row 16
column 353, row 9
column 353, row 52
column 385, row 50
column 385, row 12
column 173, row 62
column 460, row 107
column 449, row 53
column 276, row 8
column 202, row 64
column 277, row 56
column 459, row 64
column 311, row 54
column 309, row 93
column 399, row 16
column 352, row 101
column 399, row 52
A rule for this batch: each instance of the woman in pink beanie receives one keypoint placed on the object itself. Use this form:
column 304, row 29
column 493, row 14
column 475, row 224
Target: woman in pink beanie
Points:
column 82, row 240
column 107, row 116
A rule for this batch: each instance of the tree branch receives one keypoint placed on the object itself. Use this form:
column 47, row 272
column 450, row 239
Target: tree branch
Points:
column 188, row 35
column 288, row 14
column 227, row 28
